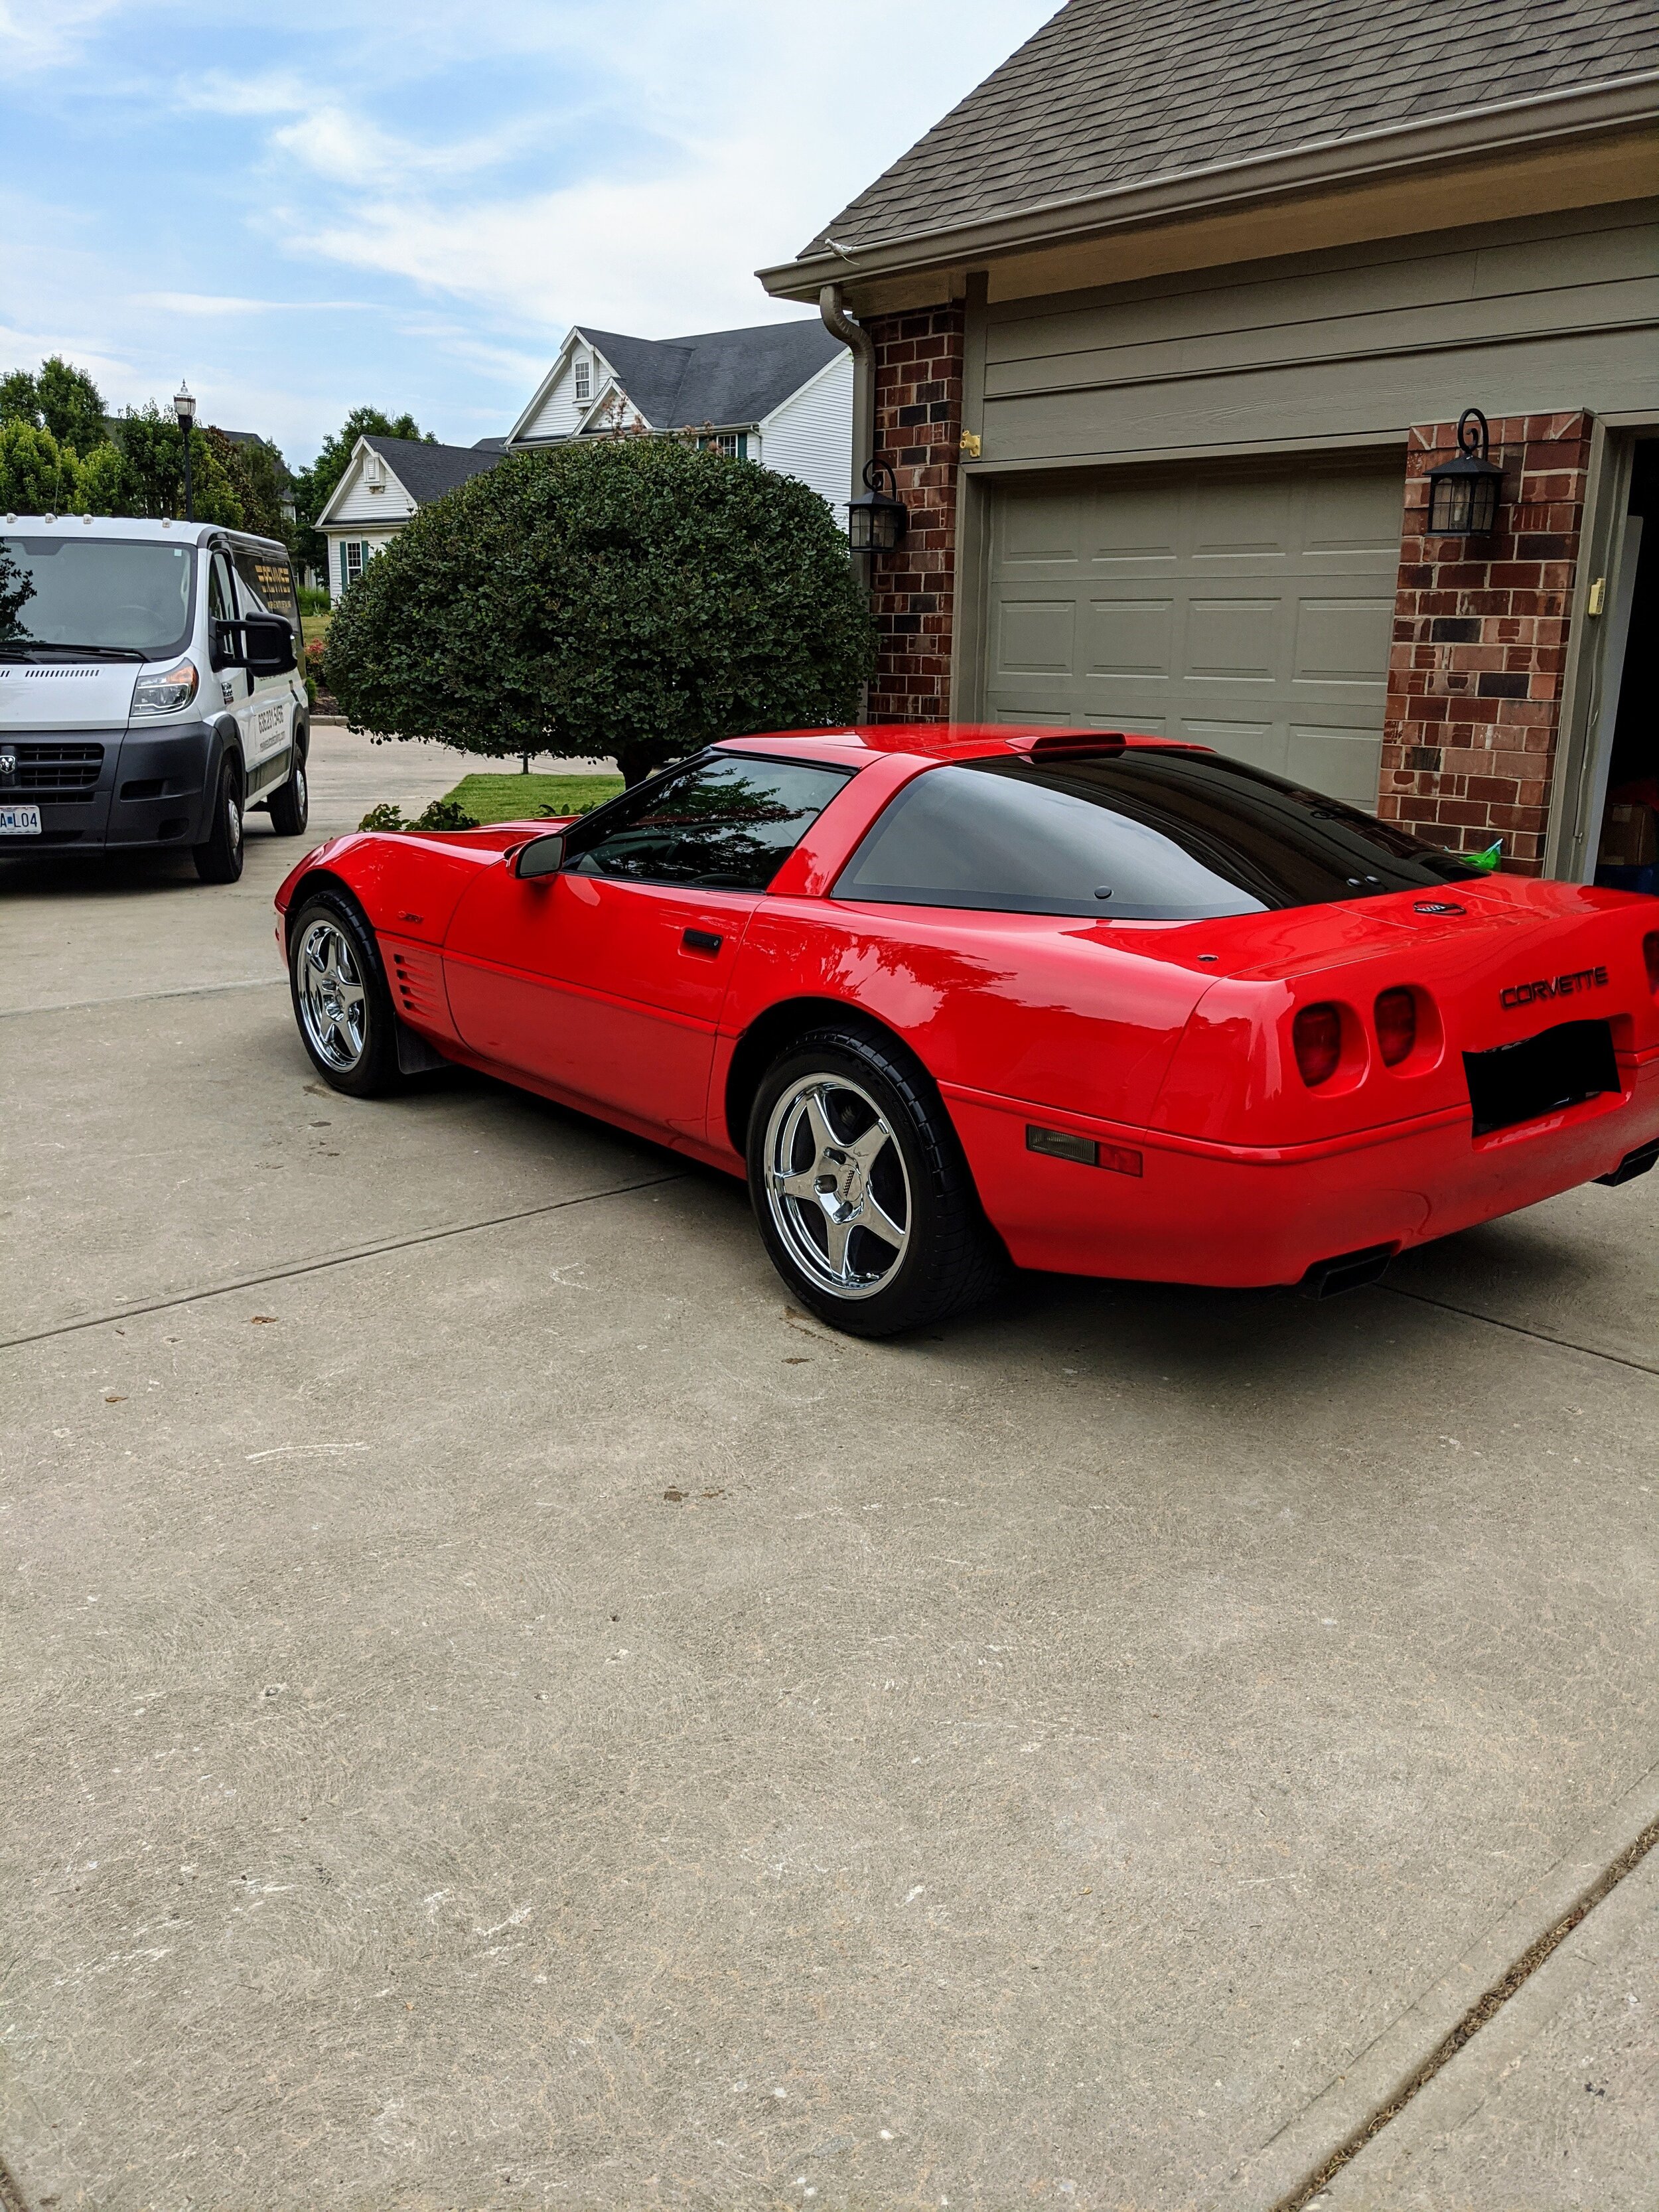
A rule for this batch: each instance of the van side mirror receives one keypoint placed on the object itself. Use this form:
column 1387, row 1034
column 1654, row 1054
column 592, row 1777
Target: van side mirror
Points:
column 262, row 644
column 542, row 856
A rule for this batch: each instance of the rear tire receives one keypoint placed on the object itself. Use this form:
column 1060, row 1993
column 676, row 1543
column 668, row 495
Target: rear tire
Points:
column 219, row 858
column 865, row 1202
column 290, row 804
column 341, row 1002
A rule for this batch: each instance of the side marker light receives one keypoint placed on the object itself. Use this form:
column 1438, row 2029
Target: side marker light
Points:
column 1066, row 1144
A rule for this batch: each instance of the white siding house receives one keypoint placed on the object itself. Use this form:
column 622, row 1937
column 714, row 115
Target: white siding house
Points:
column 780, row 394
column 386, row 481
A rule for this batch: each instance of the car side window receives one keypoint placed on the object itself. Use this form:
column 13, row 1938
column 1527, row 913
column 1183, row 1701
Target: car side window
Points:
column 728, row 823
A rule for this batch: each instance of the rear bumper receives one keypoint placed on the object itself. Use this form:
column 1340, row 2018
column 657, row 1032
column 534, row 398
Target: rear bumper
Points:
column 1239, row 1217
column 150, row 789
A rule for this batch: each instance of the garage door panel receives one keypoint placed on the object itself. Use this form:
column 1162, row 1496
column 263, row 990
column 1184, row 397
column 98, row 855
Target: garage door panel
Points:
column 1243, row 520
column 1344, row 642
column 1354, row 520
column 1252, row 611
column 1037, row 637
column 1341, row 762
column 1234, row 641
column 1049, row 529
column 1129, row 637
column 1141, row 527
column 1261, row 743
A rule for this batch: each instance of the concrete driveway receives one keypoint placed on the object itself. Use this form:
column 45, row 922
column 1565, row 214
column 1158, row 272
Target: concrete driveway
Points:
column 498, row 1710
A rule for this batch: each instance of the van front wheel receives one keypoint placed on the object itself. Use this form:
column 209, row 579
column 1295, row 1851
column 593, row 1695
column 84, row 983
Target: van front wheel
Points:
column 219, row 858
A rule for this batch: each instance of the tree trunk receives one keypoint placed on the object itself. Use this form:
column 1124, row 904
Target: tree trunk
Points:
column 636, row 763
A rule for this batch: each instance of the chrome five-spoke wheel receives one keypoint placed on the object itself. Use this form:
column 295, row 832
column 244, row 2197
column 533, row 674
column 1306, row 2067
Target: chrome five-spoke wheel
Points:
column 332, row 999
column 836, row 1186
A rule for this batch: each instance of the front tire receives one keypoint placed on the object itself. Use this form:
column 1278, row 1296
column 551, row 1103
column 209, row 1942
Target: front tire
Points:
column 290, row 804
column 864, row 1200
column 341, row 1002
column 219, row 858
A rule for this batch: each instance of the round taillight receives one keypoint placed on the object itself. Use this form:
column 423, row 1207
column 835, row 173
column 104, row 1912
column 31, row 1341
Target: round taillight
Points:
column 1650, row 954
column 1395, row 1014
column 1317, row 1034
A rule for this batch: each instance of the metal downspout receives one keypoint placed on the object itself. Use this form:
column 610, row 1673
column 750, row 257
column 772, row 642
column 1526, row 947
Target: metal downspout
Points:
column 857, row 339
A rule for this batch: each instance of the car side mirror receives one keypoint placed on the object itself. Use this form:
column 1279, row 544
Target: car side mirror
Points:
column 542, row 856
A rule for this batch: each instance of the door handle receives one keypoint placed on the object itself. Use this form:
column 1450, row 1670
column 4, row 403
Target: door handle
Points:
column 702, row 940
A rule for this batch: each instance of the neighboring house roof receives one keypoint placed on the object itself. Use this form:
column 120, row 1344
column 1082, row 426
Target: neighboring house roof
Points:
column 426, row 473
column 1111, row 95
column 730, row 379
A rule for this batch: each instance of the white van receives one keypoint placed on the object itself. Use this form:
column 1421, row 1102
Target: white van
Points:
column 149, row 689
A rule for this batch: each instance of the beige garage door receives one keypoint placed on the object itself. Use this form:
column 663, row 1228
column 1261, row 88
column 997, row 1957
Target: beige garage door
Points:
column 1250, row 610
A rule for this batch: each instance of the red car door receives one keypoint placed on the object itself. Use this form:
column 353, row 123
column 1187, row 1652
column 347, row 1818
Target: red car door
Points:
column 606, row 979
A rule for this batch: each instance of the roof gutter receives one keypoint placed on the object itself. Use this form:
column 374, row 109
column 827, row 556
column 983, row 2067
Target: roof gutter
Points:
column 1508, row 126
column 861, row 345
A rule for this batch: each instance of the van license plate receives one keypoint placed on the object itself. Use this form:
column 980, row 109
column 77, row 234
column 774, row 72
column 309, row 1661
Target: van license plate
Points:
column 20, row 821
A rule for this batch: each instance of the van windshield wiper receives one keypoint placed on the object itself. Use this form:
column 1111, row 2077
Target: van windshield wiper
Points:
column 31, row 648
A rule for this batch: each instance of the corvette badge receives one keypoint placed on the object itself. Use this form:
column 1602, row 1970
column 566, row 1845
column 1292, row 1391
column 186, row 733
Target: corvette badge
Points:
column 1554, row 987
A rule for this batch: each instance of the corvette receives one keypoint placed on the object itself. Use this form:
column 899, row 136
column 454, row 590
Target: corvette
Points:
column 950, row 998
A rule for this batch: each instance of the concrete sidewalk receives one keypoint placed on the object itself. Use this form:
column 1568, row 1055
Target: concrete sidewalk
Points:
column 499, row 1710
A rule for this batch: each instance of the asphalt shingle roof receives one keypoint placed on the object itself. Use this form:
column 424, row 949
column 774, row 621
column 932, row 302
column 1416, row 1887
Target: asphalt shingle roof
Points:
column 426, row 473
column 728, row 378
column 1112, row 93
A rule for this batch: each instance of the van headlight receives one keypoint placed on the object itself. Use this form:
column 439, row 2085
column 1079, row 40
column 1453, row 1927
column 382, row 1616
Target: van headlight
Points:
column 166, row 695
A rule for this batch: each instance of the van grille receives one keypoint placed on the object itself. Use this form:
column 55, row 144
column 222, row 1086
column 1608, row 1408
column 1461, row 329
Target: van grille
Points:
column 57, row 772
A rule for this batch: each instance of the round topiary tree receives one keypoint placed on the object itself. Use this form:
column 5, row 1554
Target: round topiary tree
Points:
column 632, row 597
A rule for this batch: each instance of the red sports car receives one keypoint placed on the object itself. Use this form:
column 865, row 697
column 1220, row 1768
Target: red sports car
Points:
column 951, row 997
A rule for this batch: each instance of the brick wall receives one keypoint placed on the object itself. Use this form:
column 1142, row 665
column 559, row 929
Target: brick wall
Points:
column 1479, row 644
column 918, row 428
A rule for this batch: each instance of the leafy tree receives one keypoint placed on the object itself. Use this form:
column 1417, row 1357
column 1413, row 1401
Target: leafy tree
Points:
column 153, row 450
column 107, row 485
column 71, row 406
column 258, row 476
column 632, row 597
column 17, row 590
column 37, row 476
column 313, row 487
column 19, row 400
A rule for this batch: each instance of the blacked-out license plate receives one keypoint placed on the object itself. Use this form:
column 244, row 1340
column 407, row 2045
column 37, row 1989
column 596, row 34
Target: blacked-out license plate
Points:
column 1541, row 1074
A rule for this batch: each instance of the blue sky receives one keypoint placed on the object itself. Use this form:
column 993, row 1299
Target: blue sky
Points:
column 314, row 207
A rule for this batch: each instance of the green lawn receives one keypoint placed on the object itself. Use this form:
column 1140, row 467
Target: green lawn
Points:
column 526, row 798
column 314, row 626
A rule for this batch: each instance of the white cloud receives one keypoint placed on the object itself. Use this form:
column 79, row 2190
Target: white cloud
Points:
column 764, row 126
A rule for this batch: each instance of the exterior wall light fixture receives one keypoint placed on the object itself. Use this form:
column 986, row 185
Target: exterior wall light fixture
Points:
column 1463, row 492
column 875, row 522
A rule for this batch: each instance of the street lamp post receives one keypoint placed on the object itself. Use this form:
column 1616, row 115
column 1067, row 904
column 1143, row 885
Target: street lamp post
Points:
column 183, row 407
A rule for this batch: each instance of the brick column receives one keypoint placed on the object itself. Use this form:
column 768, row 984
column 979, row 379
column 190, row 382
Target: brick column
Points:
column 1479, row 645
column 918, row 428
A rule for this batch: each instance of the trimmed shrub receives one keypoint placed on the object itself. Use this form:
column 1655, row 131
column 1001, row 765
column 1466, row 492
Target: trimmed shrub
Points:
column 633, row 597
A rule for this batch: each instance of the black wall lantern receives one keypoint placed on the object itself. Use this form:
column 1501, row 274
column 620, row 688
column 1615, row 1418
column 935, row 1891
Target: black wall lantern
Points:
column 876, row 523
column 1463, row 492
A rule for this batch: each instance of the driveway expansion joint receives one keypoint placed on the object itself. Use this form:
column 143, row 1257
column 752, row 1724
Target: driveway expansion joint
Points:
column 1520, row 1328
column 1305, row 2194
column 319, row 1266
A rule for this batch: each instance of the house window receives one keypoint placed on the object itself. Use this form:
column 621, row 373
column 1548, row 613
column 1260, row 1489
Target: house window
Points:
column 353, row 554
column 734, row 444
column 584, row 376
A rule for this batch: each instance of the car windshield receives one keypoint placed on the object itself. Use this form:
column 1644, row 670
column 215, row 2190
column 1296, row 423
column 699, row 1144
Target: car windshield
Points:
column 99, row 594
column 1144, row 835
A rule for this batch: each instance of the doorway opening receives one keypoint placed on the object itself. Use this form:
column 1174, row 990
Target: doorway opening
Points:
column 1627, row 850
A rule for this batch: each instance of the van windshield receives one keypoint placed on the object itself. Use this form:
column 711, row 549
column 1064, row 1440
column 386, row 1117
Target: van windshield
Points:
column 96, row 594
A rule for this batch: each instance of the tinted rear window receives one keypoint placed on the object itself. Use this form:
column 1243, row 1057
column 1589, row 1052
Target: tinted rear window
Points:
column 1143, row 836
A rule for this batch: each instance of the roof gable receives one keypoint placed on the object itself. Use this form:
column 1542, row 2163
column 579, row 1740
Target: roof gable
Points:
column 1112, row 94
column 728, row 378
